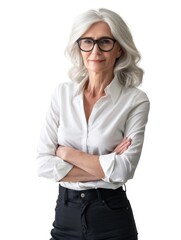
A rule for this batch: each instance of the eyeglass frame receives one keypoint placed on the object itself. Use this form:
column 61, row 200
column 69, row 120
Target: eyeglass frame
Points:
column 96, row 42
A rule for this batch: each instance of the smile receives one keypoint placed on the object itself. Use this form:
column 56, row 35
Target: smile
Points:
column 96, row 60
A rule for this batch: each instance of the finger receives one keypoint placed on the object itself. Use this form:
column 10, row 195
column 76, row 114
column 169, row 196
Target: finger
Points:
column 123, row 144
column 122, row 150
column 122, row 147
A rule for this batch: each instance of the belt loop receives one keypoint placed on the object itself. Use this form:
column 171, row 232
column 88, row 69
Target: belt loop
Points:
column 124, row 188
column 99, row 196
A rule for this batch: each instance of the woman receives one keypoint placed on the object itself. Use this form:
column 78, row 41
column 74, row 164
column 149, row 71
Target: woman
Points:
column 93, row 134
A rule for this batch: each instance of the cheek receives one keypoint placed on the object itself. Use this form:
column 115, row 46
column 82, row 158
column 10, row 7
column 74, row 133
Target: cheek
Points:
column 112, row 60
column 85, row 61
column 85, row 56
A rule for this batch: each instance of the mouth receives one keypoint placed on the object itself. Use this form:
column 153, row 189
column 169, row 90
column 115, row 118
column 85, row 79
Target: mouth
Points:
column 96, row 60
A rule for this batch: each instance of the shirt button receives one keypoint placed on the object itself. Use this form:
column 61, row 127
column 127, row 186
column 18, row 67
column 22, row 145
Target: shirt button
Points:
column 82, row 195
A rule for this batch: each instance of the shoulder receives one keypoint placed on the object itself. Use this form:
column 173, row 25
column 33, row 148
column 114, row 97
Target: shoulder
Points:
column 141, row 101
column 65, row 88
column 136, row 98
column 136, row 94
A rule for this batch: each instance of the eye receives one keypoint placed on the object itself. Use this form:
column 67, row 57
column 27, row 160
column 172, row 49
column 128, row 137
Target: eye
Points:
column 87, row 41
column 105, row 41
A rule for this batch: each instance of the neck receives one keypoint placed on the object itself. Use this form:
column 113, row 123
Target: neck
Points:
column 97, row 83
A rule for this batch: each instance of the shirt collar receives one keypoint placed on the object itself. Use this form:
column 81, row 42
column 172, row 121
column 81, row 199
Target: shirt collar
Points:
column 113, row 89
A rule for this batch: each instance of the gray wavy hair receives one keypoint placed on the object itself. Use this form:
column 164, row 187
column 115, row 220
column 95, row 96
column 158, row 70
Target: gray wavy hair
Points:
column 126, row 69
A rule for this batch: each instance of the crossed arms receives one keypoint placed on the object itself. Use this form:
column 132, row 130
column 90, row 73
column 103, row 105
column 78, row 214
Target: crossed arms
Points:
column 86, row 166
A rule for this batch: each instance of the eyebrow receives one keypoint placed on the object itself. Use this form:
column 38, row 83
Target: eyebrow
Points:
column 100, row 37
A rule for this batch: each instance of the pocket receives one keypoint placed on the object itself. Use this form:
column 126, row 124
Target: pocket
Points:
column 120, row 212
column 59, row 202
column 117, row 203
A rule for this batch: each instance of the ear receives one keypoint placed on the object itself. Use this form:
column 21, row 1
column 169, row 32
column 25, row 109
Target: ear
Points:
column 119, row 53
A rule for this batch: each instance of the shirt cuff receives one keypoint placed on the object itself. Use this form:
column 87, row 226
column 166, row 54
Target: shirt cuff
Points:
column 61, row 169
column 107, row 163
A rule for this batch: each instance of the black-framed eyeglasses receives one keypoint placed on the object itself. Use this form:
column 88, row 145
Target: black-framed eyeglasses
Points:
column 105, row 44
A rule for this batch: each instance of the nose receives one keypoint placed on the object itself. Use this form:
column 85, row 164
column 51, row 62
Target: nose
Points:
column 96, row 49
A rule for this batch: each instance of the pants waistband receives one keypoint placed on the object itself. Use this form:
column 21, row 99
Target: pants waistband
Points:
column 100, row 194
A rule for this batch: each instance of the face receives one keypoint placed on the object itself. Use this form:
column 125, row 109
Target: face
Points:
column 97, row 60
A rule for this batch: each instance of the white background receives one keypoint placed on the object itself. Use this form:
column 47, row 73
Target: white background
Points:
column 33, row 35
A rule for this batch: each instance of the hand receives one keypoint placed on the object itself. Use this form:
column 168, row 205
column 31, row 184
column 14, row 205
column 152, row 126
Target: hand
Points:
column 61, row 152
column 65, row 152
column 123, row 146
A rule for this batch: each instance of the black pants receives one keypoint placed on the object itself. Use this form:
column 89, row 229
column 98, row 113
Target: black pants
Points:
column 96, row 214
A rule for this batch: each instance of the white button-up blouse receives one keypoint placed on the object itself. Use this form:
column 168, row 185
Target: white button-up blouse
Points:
column 122, row 112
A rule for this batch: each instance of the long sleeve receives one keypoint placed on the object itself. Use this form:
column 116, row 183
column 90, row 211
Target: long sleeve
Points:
column 121, row 168
column 49, row 165
column 121, row 112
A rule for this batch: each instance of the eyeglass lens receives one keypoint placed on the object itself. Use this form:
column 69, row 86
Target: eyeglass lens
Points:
column 104, row 44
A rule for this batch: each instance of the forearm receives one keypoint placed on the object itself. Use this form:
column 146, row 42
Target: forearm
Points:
column 87, row 162
column 78, row 175
column 90, row 164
